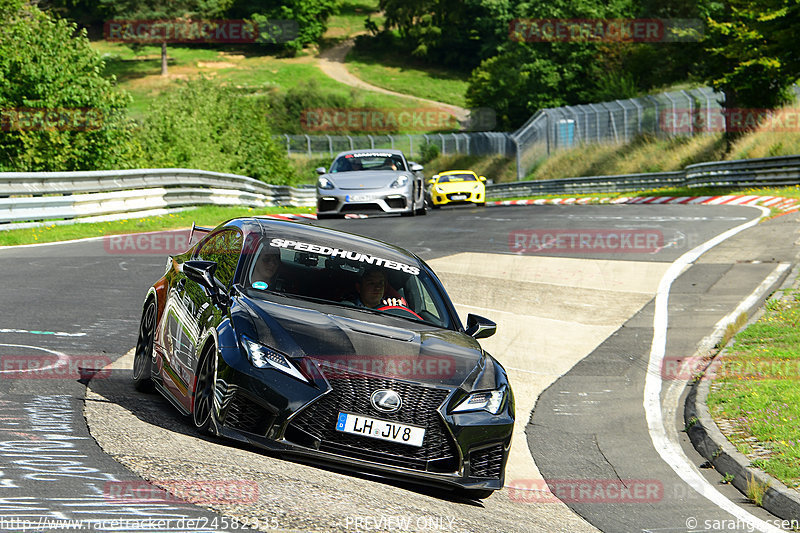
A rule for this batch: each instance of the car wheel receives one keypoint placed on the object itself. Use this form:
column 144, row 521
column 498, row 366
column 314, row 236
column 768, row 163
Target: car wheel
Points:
column 143, row 356
column 202, row 414
column 435, row 206
column 481, row 204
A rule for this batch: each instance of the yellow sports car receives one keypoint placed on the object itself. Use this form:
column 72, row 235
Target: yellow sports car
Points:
column 456, row 187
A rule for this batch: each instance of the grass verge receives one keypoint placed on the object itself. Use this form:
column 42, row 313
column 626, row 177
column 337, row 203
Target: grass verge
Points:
column 758, row 393
column 396, row 73
column 139, row 73
column 202, row 216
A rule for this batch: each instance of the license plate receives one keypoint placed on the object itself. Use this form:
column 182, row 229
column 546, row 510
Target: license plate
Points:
column 459, row 197
column 380, row 429
column 357, row 198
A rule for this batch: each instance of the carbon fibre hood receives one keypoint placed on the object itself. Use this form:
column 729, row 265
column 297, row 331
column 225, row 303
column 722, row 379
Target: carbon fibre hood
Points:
column 410, row 352
column 366, row 179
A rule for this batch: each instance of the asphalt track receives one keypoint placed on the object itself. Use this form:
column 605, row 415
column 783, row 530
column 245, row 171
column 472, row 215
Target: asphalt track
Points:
column 83, row 300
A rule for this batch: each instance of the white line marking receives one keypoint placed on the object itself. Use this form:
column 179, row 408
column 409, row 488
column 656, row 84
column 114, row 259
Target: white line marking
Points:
column 61, row 361
column 670, row 451
column 38, row 332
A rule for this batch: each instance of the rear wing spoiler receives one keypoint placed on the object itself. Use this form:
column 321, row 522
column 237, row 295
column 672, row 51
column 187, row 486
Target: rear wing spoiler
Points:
column 200, row 230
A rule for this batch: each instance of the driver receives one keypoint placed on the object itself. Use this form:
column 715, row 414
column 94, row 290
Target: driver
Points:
column 265, row 270
column 371, row 289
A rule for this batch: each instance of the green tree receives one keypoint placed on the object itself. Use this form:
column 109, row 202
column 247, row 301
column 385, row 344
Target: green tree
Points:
column 456, row 33
column 311, row 17
column 210, row 127
column 526, row 76
column 57, row 110
column 164, row 10
column 752, row 53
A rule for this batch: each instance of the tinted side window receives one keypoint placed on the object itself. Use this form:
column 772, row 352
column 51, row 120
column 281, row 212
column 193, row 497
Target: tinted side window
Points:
column 223, row 248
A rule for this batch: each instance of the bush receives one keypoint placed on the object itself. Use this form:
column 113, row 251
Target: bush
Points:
column 428, row 151
column 58, row 111
column 206, row 126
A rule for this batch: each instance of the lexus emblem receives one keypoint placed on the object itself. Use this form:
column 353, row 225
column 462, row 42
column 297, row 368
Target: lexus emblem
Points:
column 386, row 400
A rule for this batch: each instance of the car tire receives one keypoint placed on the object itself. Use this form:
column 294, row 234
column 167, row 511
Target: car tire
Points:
column 203, row 408
column 143, row 355
column 328, row 216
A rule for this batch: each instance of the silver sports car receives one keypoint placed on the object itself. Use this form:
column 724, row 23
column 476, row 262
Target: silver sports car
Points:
column 370, row 181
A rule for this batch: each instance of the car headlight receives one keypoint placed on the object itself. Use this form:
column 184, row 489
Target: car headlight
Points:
column 438, row 189
column 399, row 182
column 476, row 187
column 261, row 356
column 491, row 401
column 324, row 183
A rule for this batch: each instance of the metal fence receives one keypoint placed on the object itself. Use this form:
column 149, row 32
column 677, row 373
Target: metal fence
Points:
column 27, row 197
column 766, row 172
column 670, row 114
column 471, row 143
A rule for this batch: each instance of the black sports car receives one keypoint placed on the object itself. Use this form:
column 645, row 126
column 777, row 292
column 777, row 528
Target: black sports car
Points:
column 330, row 345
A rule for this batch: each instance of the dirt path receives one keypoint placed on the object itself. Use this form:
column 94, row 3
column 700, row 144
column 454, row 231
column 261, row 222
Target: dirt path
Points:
column 331, row 62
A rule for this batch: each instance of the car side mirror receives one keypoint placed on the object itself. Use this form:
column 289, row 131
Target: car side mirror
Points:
column 479, row 327
column 431, row 181
column 321, row 171
column 415, row 167
column 202, row 273
column 482, row 178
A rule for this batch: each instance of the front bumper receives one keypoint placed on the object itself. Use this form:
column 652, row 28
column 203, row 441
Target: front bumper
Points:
column 459, row 197
column 337, row 202
column 465, row 450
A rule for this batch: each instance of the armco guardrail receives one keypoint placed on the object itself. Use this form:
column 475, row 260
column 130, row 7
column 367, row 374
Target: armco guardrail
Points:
column 41, row 196
column 770, row 171
column 765, row 172
column 34, row 196
column 594, row 184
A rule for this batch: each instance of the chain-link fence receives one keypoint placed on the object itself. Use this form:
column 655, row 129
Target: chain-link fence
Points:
column 472, row 143
column 686, row 112
column 667, row 114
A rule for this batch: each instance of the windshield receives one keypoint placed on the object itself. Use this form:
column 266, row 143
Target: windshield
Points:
column 368, row 161
column 457, row 177
column 346, row 277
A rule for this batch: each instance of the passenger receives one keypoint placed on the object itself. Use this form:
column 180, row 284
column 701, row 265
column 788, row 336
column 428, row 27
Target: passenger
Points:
column 388, row 164
column 372, row 288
